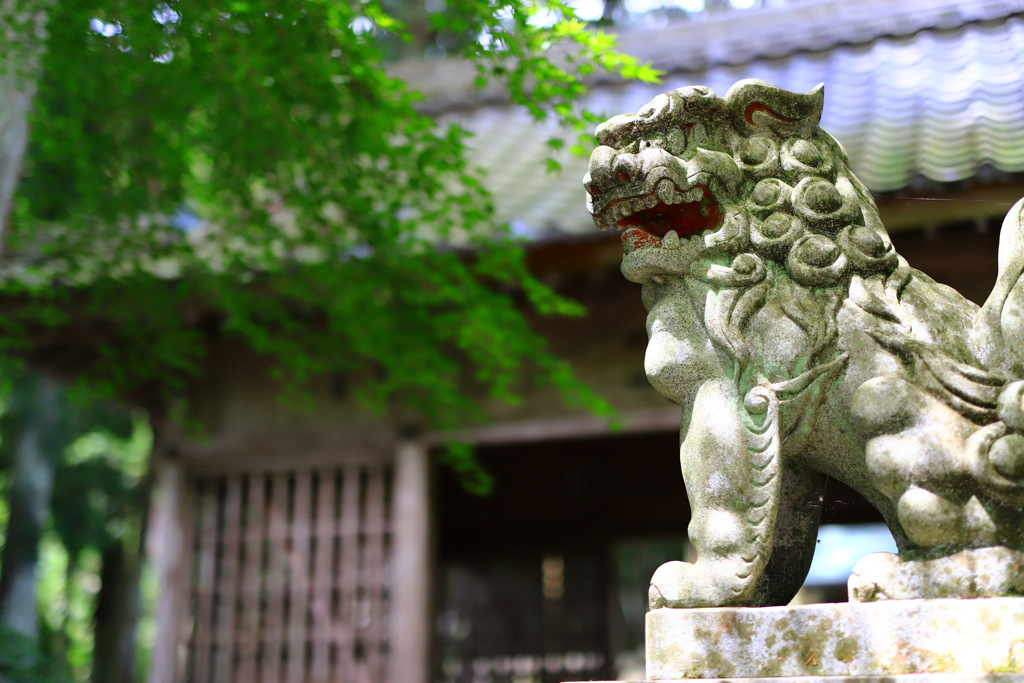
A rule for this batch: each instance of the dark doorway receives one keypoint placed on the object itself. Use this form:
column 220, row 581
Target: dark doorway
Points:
column 530, row 575
column 546, row 578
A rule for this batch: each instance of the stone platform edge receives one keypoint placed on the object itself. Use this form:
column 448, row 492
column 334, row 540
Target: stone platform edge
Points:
column 895, row 678
column 978, row 638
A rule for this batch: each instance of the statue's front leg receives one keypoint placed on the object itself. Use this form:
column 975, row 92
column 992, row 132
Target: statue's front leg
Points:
column 731, row 465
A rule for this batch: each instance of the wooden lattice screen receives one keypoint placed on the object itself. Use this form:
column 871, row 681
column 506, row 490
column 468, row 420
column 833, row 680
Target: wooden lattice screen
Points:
column 290, row 580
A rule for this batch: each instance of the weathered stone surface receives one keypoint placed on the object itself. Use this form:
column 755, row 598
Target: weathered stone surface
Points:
column 799, row 344
column 902, row 678
column 973, row 573
column 841, row 639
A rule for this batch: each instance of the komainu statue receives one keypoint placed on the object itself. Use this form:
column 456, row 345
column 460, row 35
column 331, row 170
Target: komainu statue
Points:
column 800, row 345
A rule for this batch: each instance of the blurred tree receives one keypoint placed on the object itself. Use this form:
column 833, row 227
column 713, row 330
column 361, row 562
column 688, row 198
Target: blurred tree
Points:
column 22, row 34
column 95, row 501
column 250, row 166
column 33, row 449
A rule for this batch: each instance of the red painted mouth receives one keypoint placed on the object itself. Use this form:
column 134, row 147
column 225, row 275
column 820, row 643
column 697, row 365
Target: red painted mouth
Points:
column 686, row 219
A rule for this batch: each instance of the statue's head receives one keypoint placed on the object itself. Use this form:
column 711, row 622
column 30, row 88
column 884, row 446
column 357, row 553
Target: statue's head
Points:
column 738, row 181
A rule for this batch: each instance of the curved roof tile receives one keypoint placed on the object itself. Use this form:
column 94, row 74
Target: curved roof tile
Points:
column 943, row 102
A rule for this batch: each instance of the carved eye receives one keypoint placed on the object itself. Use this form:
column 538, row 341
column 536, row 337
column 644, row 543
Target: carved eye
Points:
column 675, row 140
column 657, row 142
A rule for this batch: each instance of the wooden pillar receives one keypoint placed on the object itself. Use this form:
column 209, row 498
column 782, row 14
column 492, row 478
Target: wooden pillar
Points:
column 413, row 564
column 169, row 548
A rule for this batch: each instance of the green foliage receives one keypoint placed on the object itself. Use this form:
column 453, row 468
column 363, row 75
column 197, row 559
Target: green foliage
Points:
column 459, row 457
column 22, row 662
column 97, row 502
column 101, row 455
column 341, row 230
column 96, row 493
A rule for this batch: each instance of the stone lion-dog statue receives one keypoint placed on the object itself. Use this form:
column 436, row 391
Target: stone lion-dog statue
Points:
column 801, row 346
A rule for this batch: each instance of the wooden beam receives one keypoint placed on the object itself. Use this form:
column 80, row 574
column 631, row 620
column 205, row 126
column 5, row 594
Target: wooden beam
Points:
column 411, row 622
column 580, row 426
column 169, row 546
column 906, row 210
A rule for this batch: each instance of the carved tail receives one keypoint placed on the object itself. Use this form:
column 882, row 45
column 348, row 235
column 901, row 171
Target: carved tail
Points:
column 998, row 334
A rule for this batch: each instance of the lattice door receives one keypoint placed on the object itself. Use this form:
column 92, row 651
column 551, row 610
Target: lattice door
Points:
column 290, row 577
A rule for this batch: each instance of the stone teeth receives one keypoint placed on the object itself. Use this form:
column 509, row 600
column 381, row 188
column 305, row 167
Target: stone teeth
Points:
column 670, row 240
column 626, row 209
column 694, row 195
column 650, row 202
column 666, row 191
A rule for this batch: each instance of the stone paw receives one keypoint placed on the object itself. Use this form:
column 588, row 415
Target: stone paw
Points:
column 682, row 584
column 972, row 573
column 871, row 576
column 669, row 585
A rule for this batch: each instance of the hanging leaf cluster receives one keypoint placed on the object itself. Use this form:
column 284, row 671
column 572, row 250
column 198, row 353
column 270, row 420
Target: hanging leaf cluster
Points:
column 249, row 167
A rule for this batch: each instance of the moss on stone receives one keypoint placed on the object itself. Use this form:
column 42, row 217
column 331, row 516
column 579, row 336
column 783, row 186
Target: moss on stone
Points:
column 846, row 649
column 812, row 647
column 772, row 668
column 718, row 665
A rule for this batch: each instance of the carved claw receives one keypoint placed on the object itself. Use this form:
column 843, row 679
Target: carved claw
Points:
column 971, row 573
column 682, row 584
column 871, row 576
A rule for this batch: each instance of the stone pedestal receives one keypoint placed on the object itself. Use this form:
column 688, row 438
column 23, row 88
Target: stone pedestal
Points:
column 875, row 641
column 896, row 678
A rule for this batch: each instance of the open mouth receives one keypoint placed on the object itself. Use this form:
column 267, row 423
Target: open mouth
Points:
column 647, row 219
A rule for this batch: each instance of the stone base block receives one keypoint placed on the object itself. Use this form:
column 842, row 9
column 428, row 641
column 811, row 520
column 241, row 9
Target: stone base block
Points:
column 877, row 641
column 898, row 678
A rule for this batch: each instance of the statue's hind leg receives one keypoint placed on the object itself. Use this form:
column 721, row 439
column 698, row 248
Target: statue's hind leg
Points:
column 962, row 540
column 915, row 448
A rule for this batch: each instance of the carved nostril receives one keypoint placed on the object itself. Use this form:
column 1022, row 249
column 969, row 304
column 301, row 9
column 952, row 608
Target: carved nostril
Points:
column 624, row 177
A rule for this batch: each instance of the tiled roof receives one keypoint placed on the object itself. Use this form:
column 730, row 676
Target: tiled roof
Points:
column 936, row 93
